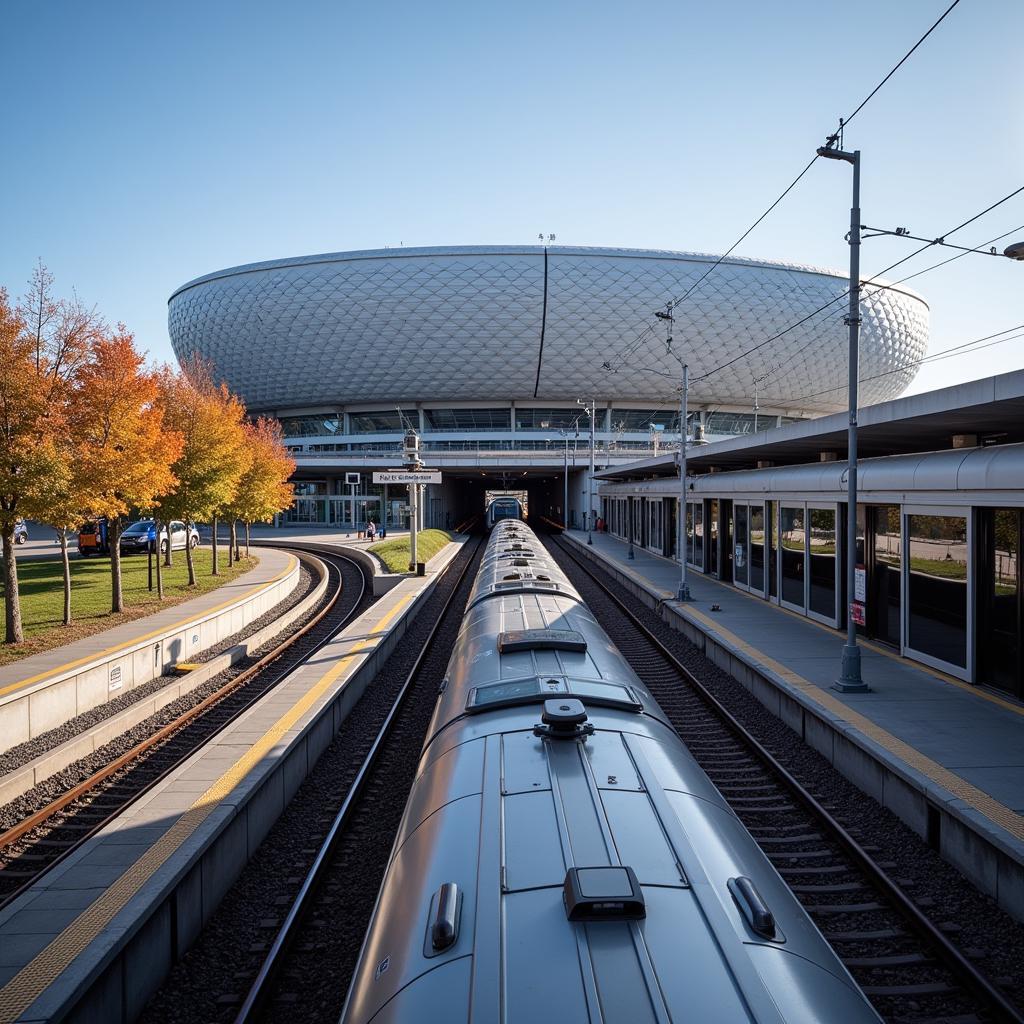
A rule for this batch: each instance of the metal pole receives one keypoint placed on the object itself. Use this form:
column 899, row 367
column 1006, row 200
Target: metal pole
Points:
column 683, row 593
column 590, row 490
column 850, row 679
column 414, row 493
column 565, row 506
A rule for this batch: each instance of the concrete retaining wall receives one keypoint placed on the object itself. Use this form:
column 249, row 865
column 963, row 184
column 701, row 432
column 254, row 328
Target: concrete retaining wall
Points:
column 40, row 768
column 64, row 694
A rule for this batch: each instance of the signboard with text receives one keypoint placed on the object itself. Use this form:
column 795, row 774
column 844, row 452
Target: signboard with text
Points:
column 402, row 477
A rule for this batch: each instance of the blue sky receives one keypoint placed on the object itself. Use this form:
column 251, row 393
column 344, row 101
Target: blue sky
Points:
column 148, row 144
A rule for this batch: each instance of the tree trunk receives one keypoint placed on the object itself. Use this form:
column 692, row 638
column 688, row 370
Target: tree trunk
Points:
column 114, row 540
column 188, row 561
column 238, row 539
column 159, row 565
column 66, row 565
column 247, row 524
column 168, row 555
column 231, row 543
column 12, row 605
column 214, row 538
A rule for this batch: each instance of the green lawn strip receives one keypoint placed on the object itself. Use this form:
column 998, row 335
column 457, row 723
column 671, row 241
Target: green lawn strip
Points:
column 41, row 585
column 395, row 553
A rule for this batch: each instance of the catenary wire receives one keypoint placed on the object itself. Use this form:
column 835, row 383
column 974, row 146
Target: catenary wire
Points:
column 963, row 349
column 863, row 284
column 885, row 287
column 632, row 346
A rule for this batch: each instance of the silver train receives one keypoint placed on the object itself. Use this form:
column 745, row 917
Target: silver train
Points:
column 563, row 858
column 503, row 508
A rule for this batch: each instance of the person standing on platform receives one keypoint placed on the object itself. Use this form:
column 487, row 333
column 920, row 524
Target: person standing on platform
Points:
column 371, row 531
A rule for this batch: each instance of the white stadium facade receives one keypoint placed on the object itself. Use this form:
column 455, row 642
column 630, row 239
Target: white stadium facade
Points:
column 486, row 352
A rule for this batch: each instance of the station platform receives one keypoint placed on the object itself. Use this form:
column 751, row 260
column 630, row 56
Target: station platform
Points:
column 93, row 938
column 45, row 690
column 945, row 756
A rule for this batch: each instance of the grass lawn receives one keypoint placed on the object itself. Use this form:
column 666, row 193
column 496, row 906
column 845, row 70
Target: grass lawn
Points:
column 395, row 553
column 41, row 585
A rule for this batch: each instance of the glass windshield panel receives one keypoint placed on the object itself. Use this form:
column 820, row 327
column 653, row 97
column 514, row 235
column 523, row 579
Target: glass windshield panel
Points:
column 137, row 528
column 757, row 548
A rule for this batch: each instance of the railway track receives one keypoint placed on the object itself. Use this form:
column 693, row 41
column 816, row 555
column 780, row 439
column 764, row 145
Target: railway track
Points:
column 47, row 836
column 290, row 981
column 905, row 964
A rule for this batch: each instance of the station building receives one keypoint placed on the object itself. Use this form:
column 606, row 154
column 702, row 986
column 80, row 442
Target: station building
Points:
column 940, row 523
column 487, row 350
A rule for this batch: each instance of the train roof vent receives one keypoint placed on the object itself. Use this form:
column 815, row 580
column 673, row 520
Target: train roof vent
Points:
column 511, row 576
column 520, row 561
column 541, row 640
column 603, row 894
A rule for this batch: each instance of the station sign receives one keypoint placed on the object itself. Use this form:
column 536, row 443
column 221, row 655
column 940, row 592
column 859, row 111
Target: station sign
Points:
column 402, row 477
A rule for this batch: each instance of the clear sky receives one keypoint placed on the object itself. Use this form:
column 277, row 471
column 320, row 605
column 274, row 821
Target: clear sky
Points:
column 146, row 144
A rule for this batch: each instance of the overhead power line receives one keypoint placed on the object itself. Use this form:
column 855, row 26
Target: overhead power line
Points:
column 964, row 349
column 631, row 347
column 863, row 284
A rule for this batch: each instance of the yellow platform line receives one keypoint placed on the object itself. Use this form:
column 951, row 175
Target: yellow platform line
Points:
column 949, row 780
column 148, row 636
column 35, row 977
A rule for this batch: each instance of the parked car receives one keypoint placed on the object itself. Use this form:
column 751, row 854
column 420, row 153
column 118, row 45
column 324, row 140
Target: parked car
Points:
column 93, row 539
column 20, row 532
column 141, row 536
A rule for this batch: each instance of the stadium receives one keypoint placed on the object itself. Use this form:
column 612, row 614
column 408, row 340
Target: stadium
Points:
column 487, row 351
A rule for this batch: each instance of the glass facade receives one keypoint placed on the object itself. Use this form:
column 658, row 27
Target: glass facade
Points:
column 557, row 419
column 631, row 421
column 383, row 422
column 735, row 422
column 937, row 587
column 468, row 419
column 1000, row 660
column 311, row 426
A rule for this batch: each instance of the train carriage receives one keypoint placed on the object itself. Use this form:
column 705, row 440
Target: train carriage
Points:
column 563, row 858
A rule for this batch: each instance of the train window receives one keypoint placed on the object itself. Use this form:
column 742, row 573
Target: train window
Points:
column 516, row 692
column 605, row 693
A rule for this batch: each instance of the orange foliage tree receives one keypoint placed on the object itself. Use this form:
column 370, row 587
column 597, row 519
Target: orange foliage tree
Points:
column 263, row 489
column 208, row 419
column 29, row 428
column 125, row 449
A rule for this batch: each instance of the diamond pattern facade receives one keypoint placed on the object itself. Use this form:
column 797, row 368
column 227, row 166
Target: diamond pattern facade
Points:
column 531, row 323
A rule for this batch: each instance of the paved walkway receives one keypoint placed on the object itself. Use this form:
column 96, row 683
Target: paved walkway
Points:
column 965, row 739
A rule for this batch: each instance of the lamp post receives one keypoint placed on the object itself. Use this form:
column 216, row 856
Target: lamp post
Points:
column 565, row 476
column 683, row 593
column 591, row 412
column 850, row 679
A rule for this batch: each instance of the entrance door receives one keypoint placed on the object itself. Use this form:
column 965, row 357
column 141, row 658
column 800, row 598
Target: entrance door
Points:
column 756, row 550
column 1000, row 625
column 711, row 518
column 884, row 573
column 740, row 552
column 725, row 535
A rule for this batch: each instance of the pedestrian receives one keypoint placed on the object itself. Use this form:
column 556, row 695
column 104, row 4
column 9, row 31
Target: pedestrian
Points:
column 371, row 531
column 383, row 529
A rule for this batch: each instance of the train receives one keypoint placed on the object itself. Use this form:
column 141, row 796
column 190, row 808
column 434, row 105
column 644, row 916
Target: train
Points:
column 502, row 508
column 562, row 857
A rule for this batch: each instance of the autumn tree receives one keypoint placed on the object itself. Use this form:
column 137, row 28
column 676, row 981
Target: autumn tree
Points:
column 28, row 458
column 62, row 332
column 263, row 489
column 126, row 449
column 208, row 419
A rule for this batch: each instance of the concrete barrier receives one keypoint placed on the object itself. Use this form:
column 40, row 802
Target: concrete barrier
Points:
column 45, row 691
